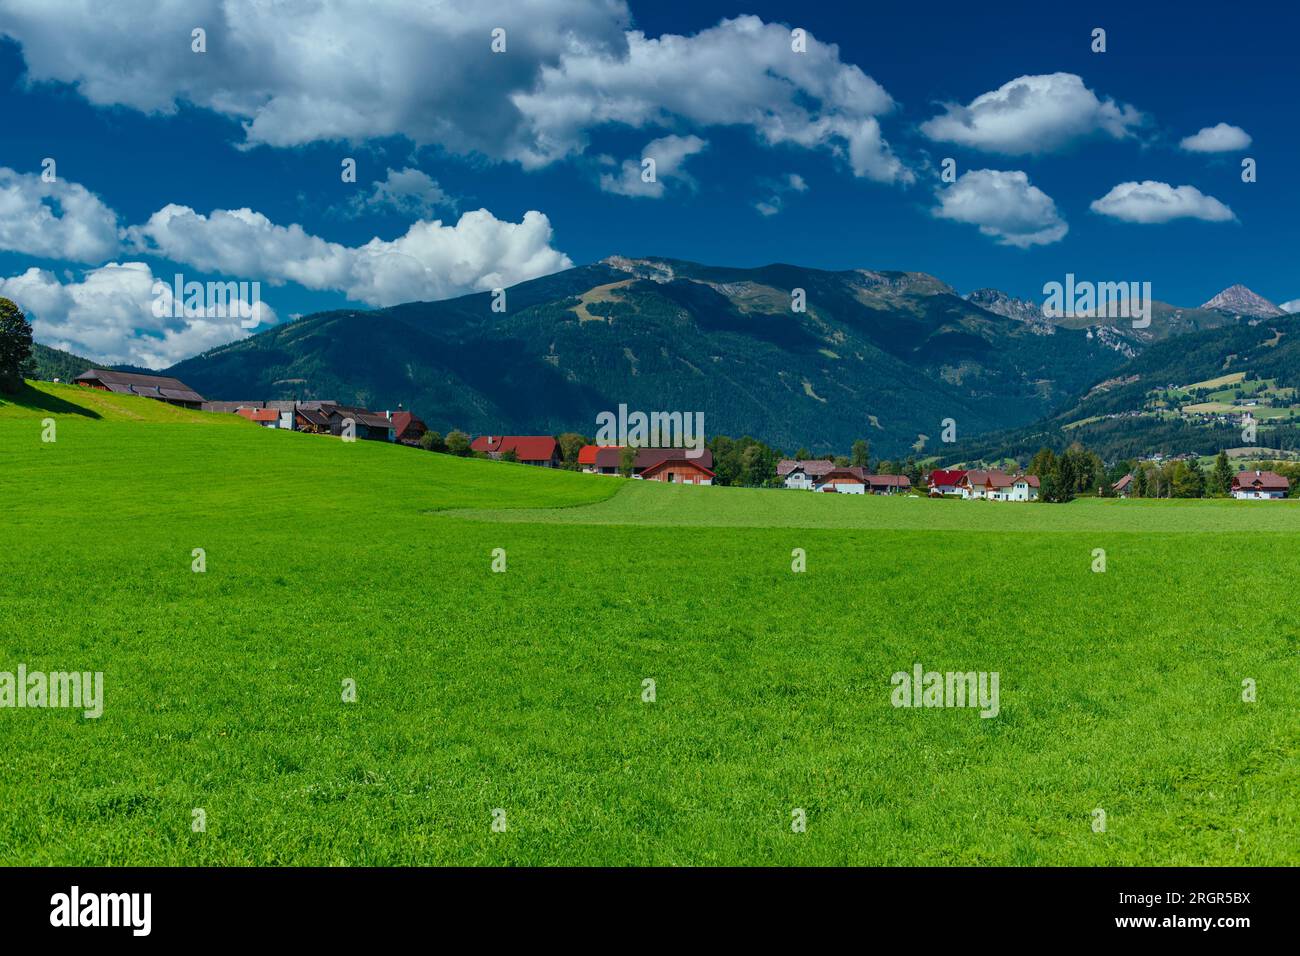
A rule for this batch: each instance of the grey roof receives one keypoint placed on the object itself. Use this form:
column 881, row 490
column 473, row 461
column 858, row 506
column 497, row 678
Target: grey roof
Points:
column 135, row 383
column 814, row 467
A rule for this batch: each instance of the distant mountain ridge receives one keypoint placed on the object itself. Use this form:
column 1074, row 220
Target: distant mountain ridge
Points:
column 878, row 354
column 883, row 355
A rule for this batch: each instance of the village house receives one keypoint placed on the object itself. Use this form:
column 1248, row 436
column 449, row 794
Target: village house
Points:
column 678, row 469
column 540, row 450
column 1022, row 488
column 158, row 387
column 889, row 484
column 844, row 480
column 1259, row 484
column 802, row 474
column 608, row 459
column 977, row 483
column 1124, row 487
column 945, row 482
column 997, row 485
column 266, row 417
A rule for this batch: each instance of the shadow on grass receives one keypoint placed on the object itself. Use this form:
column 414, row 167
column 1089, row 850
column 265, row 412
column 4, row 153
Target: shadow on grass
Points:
column 38, row 401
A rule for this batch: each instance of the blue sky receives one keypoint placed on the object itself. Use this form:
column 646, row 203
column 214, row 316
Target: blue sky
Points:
column 225, row 164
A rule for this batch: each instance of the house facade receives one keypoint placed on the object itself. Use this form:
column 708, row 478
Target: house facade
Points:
column 889, row 484
column 1259, row 484
column 803, row 475
column 608, row 459
column 678, row 470
column 996, row 485
column 842, row 480
column 943, row 482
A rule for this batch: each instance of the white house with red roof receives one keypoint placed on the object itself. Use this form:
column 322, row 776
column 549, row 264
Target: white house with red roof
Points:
column 943, row 482
column 1259, row 484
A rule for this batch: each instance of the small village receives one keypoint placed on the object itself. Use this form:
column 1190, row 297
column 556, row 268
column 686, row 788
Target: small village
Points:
column 671, row 465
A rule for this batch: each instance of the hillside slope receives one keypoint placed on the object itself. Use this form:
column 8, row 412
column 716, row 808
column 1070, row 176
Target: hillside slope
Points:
column 881, row 355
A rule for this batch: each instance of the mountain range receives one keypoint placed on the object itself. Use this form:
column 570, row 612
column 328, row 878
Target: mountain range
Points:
column 882, row 355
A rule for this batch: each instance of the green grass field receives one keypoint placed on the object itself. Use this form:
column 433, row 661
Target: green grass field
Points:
column 523, row 690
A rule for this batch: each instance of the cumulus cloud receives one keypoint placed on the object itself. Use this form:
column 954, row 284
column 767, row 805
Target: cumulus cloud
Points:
column 1220, row 138
column 741, row 72
column 1032, row 114
column 58, row 220
column 1004, row 205
column 1292, row 306
column 121, row 313
column 668, row 153
column 298, row 71
column 430, row 261
column 1150, row 202
column 408, row 192
column 774, row 202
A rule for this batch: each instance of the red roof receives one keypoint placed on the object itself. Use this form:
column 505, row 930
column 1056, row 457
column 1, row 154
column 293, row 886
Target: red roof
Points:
column 259, row 414
column 683, row 460
column 947, row 478
column 1260, row 480
column 587, row 454
column 525, row 447
column 404, row 420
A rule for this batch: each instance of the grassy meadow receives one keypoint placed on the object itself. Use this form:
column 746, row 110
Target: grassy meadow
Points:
column 522, row 690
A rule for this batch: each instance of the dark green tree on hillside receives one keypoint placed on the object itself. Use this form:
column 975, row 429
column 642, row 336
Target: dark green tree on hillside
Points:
column 1141, row 484
column 432, row 441
column 1043, row 463
column 570, row 444
column 1189, row 480
column 457, row 443
column 627, row 461
column 861, row 453
column 1221, row 477
column 15, row 346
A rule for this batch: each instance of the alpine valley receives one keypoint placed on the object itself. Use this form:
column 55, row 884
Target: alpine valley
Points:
column 880, row 355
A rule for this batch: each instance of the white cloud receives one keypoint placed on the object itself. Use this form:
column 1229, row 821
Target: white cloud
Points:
column 741, row 72
column 430, row 261
column 109, row 315
column 1220, row 138
column 1004, row 205
column 774, row 202
column 408, row 192
column 1032, row 114
column 1292, row 306
column 297, row 72
column 668, row 153
column 1150, row 202
column 58, row 220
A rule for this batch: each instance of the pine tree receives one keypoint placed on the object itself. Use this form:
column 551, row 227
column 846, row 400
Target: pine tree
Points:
column 1221, row 479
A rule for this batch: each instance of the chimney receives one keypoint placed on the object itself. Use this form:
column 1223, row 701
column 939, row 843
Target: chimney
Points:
column 388, row 414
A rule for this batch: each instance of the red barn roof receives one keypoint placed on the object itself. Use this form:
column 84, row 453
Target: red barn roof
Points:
column 525, row 447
